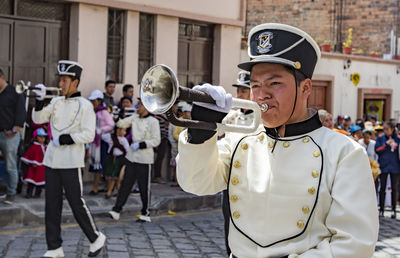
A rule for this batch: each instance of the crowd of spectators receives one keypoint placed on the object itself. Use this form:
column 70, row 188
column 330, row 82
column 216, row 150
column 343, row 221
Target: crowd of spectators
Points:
column 381, row 142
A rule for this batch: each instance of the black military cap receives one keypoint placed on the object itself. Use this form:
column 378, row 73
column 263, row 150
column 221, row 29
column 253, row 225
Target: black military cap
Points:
column 282, row 44
column 70, row 68
column 243, row 79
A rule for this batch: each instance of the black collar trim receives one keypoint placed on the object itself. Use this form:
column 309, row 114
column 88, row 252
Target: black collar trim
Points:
column 248, row 111
column 76, row 94
column 145, row 116
column 303, row 127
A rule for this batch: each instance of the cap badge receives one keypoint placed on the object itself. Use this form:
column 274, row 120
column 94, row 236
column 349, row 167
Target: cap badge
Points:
column 264, row 42
column 63, row 67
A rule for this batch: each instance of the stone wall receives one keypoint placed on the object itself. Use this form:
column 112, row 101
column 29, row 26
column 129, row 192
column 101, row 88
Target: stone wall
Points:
column 371, row 20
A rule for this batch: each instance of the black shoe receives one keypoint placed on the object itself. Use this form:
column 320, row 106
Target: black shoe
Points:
column 93, row 193
column 107, row 196
column 393, row 215
column 9, row 199
column 381, row 214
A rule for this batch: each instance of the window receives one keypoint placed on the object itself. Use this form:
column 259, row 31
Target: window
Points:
column 6, row 6
column 45, row 10
column 146, row 43
column 115, row 45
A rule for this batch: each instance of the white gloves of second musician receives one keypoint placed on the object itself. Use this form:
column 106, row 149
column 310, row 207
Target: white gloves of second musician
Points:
column 40, row 91
column 134, row 146
column 223, row 100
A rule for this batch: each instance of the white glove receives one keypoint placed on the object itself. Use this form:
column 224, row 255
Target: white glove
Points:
column 135, row 146
column 56, row 141
column 222, row 99
column 40, row 91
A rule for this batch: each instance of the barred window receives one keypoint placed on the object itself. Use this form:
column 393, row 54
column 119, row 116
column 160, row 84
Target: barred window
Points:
column 146, row 43
column 6, row 6
column 42, row 10
column 115, row 45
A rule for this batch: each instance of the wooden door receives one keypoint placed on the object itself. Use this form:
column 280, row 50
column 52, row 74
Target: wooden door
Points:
column 318, row 97
column 30, row 50
column 30, row 57
column 194, row 53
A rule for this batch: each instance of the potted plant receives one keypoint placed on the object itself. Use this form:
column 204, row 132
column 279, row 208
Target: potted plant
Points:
column 326, row 46
column 375, row 54
column 358, row 52
column 347, row 49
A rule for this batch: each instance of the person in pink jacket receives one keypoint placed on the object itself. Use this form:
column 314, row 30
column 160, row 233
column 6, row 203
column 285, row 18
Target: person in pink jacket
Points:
column 98, row 148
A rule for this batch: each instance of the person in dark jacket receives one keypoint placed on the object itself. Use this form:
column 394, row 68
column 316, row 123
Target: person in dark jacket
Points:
column 12, row 118
column 387, row 147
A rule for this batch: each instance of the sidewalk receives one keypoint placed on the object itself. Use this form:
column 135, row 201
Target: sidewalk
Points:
column 26, row 212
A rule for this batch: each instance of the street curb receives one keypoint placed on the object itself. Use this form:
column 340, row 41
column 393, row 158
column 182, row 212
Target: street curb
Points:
column 21, row 214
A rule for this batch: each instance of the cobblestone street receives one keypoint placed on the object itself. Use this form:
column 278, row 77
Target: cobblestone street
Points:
column 195, row 234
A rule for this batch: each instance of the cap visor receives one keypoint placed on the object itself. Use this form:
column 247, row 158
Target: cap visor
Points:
column 247, row 66
column 241, row 85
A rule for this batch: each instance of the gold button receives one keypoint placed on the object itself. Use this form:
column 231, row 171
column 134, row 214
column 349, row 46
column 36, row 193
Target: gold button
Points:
column 236, row 214
column 271, row 144
column 236, row 164
column 286, row 144
column 234, row 198
column 300, row 224
column 297, row 65
column 316, row 154
column 311, row 190
column 233, row 118
column 245, row 146
column 305, row 140
column 261, row 137
column 315, row 173
column 305, row 209
column 235, row 181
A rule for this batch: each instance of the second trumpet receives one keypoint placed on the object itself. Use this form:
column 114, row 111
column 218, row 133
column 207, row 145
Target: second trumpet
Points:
column 22, row 88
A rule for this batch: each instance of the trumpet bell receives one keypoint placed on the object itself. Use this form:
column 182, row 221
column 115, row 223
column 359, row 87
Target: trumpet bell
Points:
column 159, row 89
column 20, row 87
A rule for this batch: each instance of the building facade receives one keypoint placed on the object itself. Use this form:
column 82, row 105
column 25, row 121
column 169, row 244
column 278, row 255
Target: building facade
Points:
column 121, row 39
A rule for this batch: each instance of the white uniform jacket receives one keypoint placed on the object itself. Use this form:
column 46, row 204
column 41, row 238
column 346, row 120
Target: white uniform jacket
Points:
column 73, row 116
column 238, row 117
column 144, row 129
column 308, row 194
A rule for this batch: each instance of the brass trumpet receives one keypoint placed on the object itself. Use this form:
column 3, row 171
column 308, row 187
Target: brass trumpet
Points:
column 22, row 88
column 159, row 89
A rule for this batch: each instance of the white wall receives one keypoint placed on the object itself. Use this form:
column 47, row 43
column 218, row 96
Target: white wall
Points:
column 166, row 41
column 131, row 54
column 374, row 75
column 227, row 40
column 88, row 44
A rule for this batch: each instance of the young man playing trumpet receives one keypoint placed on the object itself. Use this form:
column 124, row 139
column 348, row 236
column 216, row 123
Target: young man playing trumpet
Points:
column 288, row 182
column 73, row 123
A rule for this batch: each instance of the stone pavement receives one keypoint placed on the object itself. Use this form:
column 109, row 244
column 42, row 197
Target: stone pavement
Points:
column 28, row 212
column 190, row 234
column 388, row 245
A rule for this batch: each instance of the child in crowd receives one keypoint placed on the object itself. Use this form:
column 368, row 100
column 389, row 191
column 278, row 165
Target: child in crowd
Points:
column 33, row 157
column 118, row 146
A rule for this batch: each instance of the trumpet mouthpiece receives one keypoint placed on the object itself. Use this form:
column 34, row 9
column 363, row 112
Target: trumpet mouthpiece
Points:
column 264, row 107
